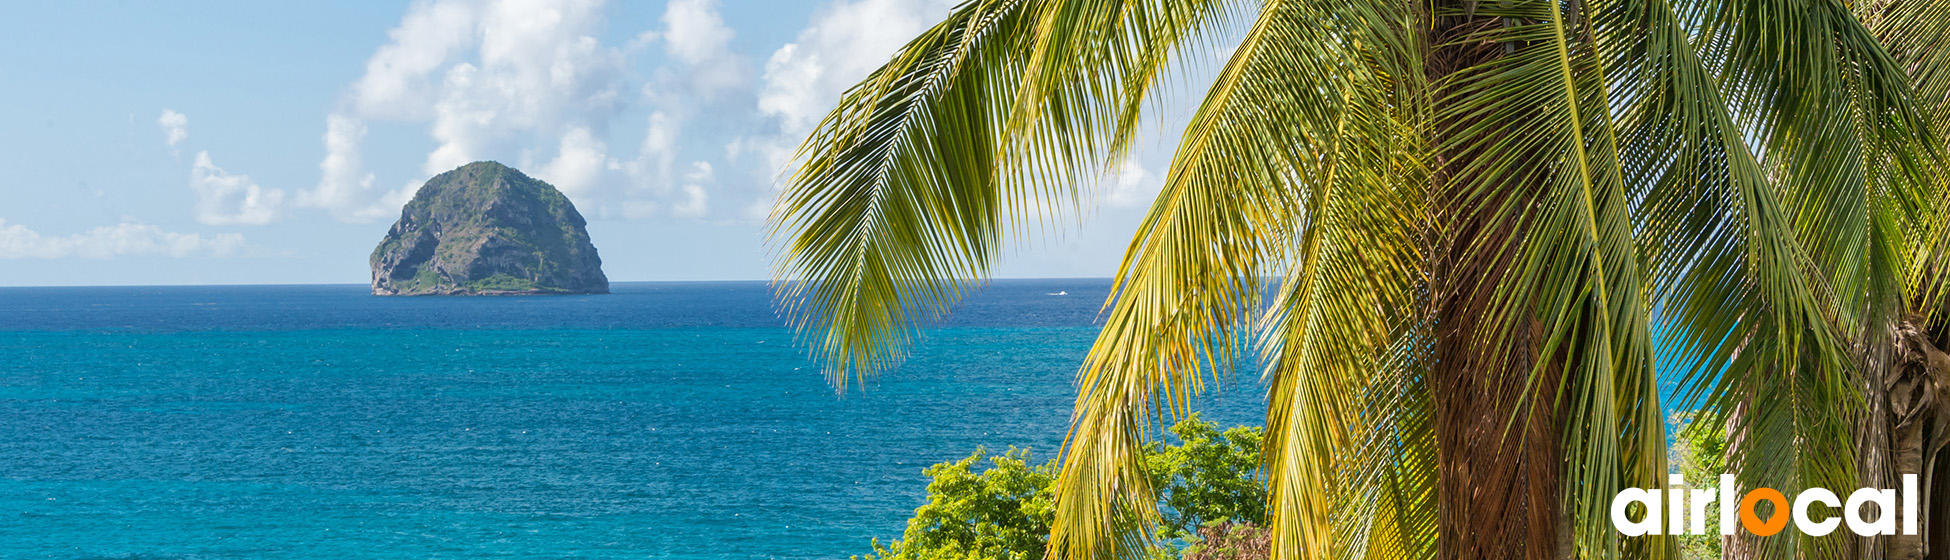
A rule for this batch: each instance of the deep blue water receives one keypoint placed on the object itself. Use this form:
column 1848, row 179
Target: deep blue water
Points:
column 667, row 420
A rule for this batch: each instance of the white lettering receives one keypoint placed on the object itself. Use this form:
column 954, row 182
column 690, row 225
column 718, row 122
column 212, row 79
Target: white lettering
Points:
column 1701, row 497
column 1885, row 501
column 1729, row 502
column 1647, row 526
column 1809, row 497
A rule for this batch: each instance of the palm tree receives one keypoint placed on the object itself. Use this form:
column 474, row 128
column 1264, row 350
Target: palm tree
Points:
column 1482, row 225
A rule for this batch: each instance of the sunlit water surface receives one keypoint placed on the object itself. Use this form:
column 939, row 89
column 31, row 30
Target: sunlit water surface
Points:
column 667, row 420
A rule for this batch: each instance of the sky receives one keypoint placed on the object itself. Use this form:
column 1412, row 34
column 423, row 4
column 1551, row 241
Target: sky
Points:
column 274, row 143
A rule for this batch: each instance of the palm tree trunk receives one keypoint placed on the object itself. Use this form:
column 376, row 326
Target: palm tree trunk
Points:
column 1499, row 492
column 1905, row 430
column 1935, row 530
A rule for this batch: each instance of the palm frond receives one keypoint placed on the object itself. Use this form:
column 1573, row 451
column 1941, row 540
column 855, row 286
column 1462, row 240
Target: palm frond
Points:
column 1536, row 159
column 1737, row 300
column 1916, row 34
column 905, row 192
column 1345, row 339
column 1232, row 205
column 1472, row 209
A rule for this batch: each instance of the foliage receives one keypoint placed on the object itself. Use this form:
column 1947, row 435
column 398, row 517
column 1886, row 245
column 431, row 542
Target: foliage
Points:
column 502, row 282
column 1003, row 511
column 1209, row 477
column 1699, row 453
column 1000, row 513
column 1227, row 540
column 1493, row 196
column 1698, row 449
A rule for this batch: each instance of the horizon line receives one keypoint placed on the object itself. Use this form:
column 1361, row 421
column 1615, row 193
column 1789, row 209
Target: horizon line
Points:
column 323, row 284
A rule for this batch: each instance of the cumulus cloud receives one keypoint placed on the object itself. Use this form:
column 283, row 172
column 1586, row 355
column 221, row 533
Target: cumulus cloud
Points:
column 345, row 188
column 704, row 76
column 654, row 186
column 530, row 83
column 658, row 153
column 487, row 78
column 695, row 202
column 687, row 197
column 580, row 162
column 175, row 126
column 695, row 31
column 124, row 239
column 399, row 78
column 804, row 78
column 696, row 35
column 226, row 199
column 1132, row 185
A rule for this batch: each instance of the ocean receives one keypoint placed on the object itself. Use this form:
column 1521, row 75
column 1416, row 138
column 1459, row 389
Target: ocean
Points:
column 666, row 420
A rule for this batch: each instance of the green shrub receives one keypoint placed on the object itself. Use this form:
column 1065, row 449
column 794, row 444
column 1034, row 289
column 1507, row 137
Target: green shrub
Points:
column 1210, row 476
column 1003, row 510
column 1698, row 451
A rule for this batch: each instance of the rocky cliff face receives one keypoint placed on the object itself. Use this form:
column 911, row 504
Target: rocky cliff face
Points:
column 487, row 229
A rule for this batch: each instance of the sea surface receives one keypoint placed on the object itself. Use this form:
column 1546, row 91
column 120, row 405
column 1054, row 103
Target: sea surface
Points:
column 666, row 420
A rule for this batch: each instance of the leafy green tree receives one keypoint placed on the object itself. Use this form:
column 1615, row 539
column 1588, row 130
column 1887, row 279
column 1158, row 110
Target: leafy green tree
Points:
column 1468, row 213
column 1699, row 452
column 1003, row 511
column 1210, row 476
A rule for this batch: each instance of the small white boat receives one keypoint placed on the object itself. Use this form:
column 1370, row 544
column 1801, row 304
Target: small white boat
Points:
column 1062, row 293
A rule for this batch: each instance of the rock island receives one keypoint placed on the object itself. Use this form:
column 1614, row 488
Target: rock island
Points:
column 487, row 229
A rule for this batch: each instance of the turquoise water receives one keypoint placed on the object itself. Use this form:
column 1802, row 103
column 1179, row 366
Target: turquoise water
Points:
column 669, row 420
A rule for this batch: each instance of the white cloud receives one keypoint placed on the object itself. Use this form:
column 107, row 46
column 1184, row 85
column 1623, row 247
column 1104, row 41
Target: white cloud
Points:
column 688, row 197
column 695, row 31
column 580, row 163
column 705, row 76
column 655, row 187
column 396, row 83
column 659, row 141
column 696, row 35
column 699, row 41
column 226, row 199
column 488, row 77
column 529, row 82
column 694, row 205
column 540, row 71
column 695, row 201
column 124, row 239
column 1132, row 185
column 176, row 127
column 344, row 186
column 804, row 79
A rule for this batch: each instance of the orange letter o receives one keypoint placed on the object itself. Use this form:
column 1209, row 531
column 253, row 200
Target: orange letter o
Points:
column 1752, row 521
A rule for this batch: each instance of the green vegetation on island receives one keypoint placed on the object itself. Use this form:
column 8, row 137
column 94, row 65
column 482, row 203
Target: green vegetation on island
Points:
column 487, row 229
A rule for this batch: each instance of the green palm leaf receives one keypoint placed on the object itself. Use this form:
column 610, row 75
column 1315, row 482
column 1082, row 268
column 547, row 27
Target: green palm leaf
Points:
column 905, row 191
column 1477, row 215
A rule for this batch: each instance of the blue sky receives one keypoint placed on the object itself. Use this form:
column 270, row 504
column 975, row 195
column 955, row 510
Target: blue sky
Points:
column 254, row 143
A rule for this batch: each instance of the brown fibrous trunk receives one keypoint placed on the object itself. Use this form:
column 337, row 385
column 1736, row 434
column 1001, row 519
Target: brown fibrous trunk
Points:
column 1499, row 460
column 1905, row 432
